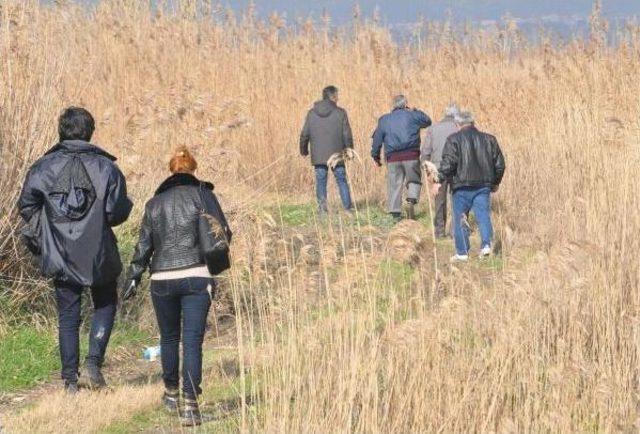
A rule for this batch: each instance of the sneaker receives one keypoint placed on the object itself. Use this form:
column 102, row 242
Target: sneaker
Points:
column 456, row 259
column 190, row 415
column 397, row 216
column 171, row 400
column 93, row 377
column 485, row 252
column 71, row 387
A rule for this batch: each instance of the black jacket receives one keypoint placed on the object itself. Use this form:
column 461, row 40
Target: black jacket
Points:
column 473, row 159
column 169, row 230
column 78, row 194
column 327, row 128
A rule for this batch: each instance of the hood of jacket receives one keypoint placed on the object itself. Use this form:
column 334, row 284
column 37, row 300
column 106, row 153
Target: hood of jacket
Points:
column 180, row 179
column 324, row 108
column 79, row 147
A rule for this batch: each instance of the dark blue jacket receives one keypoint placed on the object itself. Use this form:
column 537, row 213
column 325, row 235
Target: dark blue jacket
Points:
column 78, row 194
column 399, row 131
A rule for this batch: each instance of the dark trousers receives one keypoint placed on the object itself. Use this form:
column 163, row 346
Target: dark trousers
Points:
column 182, row 305
column 105, row 300
column 440, row 210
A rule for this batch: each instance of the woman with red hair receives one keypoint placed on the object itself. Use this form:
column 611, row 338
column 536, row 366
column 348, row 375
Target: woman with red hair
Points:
column 181, row 284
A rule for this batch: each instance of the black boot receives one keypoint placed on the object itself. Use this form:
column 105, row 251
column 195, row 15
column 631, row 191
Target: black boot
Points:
column 93, row 377
column 191, row 413
column 71, row 387
column 411, row 209
column 171, row 400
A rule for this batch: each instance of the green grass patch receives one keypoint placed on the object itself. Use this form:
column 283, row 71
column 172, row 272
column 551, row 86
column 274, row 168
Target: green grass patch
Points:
column 293, row 215
column 27, row 357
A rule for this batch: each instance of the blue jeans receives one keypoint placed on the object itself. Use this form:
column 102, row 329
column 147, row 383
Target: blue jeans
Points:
column 105, row 300
column 477, row 200
column 182, row 306
column 340, row 172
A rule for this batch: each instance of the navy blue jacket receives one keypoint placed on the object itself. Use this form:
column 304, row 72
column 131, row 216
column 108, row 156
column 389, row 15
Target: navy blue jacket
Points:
column 78, row 194
column 399, row 131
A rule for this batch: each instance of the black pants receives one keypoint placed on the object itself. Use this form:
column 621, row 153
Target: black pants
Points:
column 182, row 305
column 440, row 210
column 105, row 300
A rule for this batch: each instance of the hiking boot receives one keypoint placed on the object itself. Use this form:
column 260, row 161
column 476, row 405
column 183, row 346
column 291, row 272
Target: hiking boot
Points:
column 457, row 259
column 93, row 377
column 171, row 400
column 190, row 415
column 485, row 252
column 71, row 387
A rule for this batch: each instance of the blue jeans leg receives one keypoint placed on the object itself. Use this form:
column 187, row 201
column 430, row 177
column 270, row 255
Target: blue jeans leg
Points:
column 340, row 173
column 482, row 210
column 195, row 308
column 321, row 186
column 462, row 203
column 168, row 307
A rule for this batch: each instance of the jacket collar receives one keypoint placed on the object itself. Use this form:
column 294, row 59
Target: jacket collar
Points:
column 181, row 179
column 79, row 147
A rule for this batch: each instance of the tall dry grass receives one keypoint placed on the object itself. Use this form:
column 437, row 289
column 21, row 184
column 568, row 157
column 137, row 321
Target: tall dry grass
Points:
column 548, row 345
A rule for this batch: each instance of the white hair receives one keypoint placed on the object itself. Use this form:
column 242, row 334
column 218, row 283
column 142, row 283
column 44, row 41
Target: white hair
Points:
column 400, row 102
column 452, row 110
column 464, row 118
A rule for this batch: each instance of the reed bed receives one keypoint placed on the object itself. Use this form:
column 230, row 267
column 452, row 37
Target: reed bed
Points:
column 331, row 342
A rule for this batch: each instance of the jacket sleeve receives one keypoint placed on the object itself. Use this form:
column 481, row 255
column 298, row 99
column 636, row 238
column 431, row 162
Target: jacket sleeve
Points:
column 31, row 197
column 378, row 141
column 498, row 161
column 427, row 147
column 144, row 249
column 305, row 136
column 422, row 119
column 117, row 203
column 213, row 207
column 346, row 131
column 450, row 158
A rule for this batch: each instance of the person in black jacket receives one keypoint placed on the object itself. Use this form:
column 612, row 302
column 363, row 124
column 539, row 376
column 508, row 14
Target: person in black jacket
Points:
column 327, row 128
column 73, row 196
column 473, row 164
column 181, row 285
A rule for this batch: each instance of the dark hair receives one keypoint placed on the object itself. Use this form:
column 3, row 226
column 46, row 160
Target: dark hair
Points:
column 76, row 123
column 329, row 92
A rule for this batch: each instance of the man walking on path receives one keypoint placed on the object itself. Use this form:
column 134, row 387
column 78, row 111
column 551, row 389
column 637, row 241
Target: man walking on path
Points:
column 71, row 199
column 399, row 133
column 327, row 129
column 473, row 164
column 432, row 149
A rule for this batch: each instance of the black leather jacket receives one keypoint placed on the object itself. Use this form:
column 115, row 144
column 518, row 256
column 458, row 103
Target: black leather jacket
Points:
column 169, row 231
column 472, row 159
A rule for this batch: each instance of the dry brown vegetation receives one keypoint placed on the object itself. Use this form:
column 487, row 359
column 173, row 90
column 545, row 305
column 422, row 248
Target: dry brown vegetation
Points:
column 332, row 335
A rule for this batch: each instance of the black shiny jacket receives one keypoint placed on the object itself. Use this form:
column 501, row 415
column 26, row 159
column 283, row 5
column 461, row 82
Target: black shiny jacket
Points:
column 169, row 230
column 472, row 159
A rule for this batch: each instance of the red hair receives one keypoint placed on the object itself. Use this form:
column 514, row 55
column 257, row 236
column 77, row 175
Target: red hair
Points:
column 182, row 161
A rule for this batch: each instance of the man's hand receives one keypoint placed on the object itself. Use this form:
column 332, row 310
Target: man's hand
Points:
column 435, row 189
column 432, row 171
column 349, row 154
column 130, row 290
column 377, row 161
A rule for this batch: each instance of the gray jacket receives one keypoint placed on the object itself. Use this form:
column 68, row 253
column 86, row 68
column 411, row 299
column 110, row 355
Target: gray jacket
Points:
column 437, row 136
column 327, row 128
